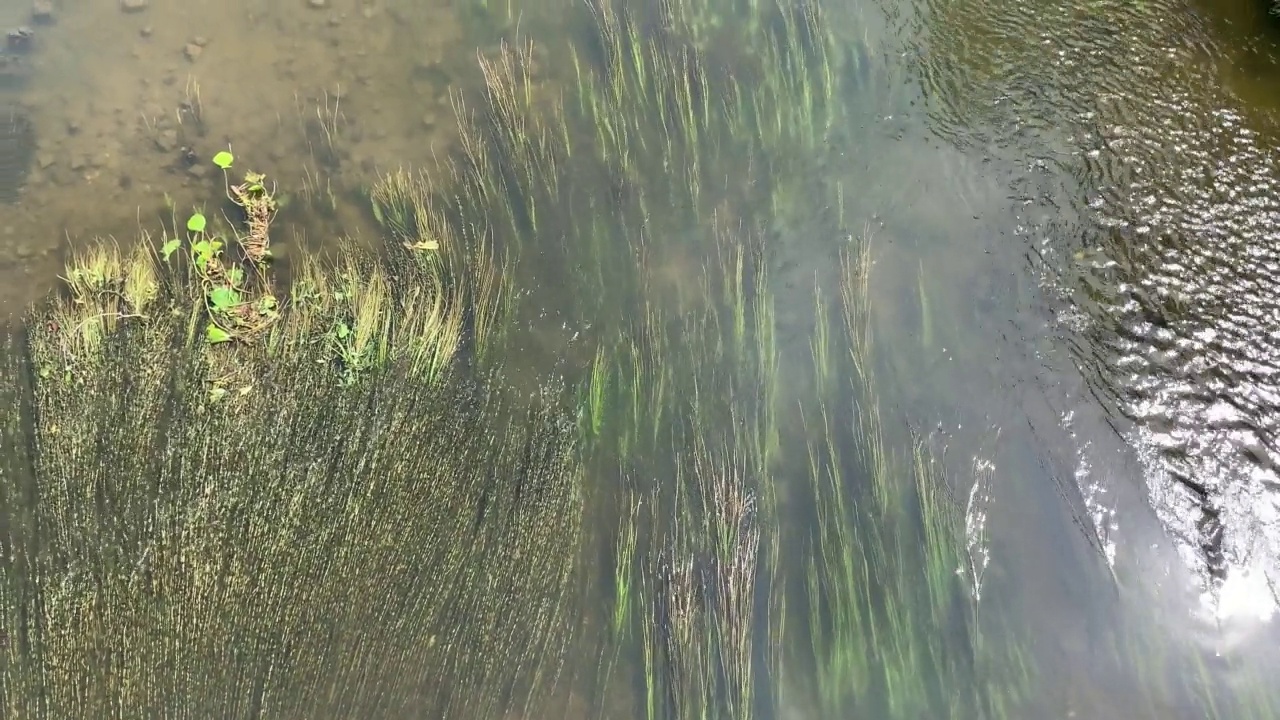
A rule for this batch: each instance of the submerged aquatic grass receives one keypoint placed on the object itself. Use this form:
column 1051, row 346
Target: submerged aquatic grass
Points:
column 682, row 394
column 703, row 538
column 204, row 526
column 891, row 588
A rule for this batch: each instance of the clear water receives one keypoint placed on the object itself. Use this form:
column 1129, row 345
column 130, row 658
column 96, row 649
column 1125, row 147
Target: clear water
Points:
column 1072, row 208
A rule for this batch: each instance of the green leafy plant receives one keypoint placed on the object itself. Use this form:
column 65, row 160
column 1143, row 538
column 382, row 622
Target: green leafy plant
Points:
column 222, row 282
column 236, row 290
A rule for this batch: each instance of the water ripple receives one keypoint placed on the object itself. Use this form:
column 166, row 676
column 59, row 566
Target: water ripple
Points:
column 1169, row 260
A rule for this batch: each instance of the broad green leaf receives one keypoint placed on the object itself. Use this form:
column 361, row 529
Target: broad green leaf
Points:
column 170, row 247
column 223, row 159
column 214, row 335
column 196, row 223
column 222, row 298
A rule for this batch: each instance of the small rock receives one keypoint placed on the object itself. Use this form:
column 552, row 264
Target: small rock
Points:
column 192, row 51
column 146, row 31
column 44, row 159
column 42, row 11
column 200, row 40
column 133, row 6
column 19, row 39
column 166, row 140
column 318, row 4
column 198, row 171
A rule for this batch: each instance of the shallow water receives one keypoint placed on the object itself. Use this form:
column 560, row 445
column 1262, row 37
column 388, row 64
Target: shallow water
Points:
column 1072, row 214
column 119, row 97
column 1147, row 212
column 1143, row 208
column 1079, row 236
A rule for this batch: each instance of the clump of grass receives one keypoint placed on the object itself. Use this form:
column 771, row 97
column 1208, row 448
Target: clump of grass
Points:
column 322, row 123
column 696, row 604
column 456, row 264
column 398, row 200
column 104, row 288
column 890, row 586
column 677, row 410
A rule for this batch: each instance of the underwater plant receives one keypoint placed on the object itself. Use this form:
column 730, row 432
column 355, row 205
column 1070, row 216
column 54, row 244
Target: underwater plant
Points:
column 332, row 517
column 679, row 402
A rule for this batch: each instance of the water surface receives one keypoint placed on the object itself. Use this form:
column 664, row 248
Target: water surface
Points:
column 1072, row 209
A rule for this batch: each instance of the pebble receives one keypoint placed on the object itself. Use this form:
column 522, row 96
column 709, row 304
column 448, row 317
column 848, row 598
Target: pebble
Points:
column 133, row 6
column 318, row 4
column 19, row 39
column 42, row 11
column 192, row 51
column 166, row 140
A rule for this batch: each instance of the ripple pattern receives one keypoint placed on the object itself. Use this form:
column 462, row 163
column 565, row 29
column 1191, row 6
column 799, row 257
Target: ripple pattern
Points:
column 1172, row 251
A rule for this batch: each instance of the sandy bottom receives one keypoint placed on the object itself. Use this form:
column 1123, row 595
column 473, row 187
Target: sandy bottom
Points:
column 130, row 107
